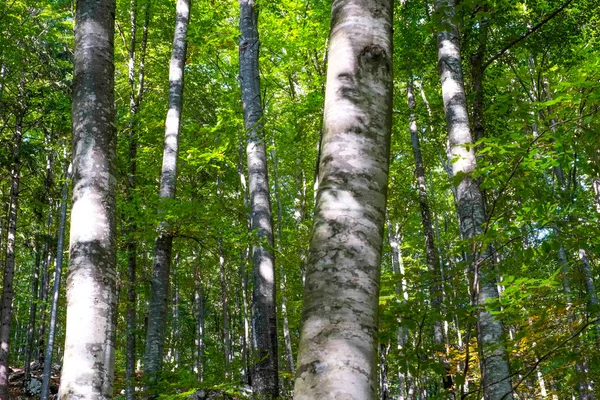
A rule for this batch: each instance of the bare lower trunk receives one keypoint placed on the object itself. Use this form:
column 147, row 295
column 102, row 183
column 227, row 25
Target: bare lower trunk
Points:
column 435, row 282
column 337, row 355
column 159, row 291
column 264, row 321
column 88, row 368
column 590, row 287
column 9, row 266
column 496, row 380
column 56, row 289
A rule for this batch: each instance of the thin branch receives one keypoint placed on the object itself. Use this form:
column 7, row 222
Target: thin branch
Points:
column 526, row 34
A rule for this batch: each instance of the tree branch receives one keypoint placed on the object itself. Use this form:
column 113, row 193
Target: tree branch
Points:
column 526, row 34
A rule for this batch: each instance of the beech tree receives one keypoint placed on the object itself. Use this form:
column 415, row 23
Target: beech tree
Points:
column 157, row 318
column 338, row 345
column 88, row 366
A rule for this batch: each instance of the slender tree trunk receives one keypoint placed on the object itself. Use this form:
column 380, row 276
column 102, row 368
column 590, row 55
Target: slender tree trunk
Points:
column 224, row 306
column 289, row 358
column 435, row 282
column 6, row 306
column 157, row 318
column 88, row 368
column 590, row 288
column 496, row 380
column 199, row 295
column 337, row 355
column 264, row 321
column 35, row 281
column 56, row 290
column 135, row 100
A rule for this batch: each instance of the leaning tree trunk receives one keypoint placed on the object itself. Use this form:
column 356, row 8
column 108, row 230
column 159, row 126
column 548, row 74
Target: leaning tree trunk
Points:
column 6, row 306
column 88, row 368
column 435, row 282
column 496, row 380
column 264, row 320
column 338, row 344
column 159, row 295
column 56, row 289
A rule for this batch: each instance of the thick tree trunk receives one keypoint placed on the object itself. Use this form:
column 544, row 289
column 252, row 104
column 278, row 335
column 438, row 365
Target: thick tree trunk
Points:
column 56, row 289
column 6, row 306
column 88, row 368
column 496, row 380
column 159, row 291
column 338, row 343
column 435, row 281
column 264, row 321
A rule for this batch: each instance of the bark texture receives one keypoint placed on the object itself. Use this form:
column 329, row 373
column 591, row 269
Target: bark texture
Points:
column 264, row 321
column 88, row 368
column 337, row 356
column 496, row 380
column 159, row 291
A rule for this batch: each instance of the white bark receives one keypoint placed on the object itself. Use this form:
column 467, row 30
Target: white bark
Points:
column 338, row 345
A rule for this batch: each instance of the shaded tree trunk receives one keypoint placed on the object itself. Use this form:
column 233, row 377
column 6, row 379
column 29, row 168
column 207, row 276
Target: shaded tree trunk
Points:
column 6, row 306
column 159, row 291
column 88, row 368
column 56, row 290
column 435, row 281
column 337, row 355
column 495, row 369
column 264, row 321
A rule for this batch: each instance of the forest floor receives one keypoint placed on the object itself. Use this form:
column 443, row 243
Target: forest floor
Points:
column 17, row 389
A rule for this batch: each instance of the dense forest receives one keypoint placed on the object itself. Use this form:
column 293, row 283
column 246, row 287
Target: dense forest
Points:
column 346, row 199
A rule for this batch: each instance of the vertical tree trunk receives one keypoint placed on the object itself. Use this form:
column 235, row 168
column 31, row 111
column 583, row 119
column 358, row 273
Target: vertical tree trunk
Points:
column 134, row 106
column 496, row 382
column 35, row 281
column 435, row 281
column 337, row 355
column 590, row 288
column 159, row 291
column 56, row 290
column 289, row 358
column 88, row 368
column 264, row 321
column 9, row 266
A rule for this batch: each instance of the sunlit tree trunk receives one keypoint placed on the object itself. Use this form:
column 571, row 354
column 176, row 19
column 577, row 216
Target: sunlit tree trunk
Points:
column 159, row 290
column 337, row 355
column 56, row 289
column 264, row 321
column 6, row 306
column 88, row 367
column 496, row 380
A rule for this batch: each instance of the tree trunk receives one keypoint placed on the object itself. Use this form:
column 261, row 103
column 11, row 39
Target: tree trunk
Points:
column 6, row 306
column 435, row 281
column 264, row 321
column 131, row 245
column 496, row 380
column 88, row 368
column 338, row 344
column 159, row 291
column 590, row 288
column 56, row 290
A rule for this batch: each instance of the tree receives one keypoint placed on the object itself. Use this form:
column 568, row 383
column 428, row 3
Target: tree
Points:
column 264, row 319
column 337, row 354
column 159, row 298
column 88, row 369
column 470, row 206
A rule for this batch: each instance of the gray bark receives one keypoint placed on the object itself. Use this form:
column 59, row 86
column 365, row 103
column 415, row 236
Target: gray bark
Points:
column 337, row 355
column 6, row 306
column 88, row 367
column 590, row 287
column 435, row 280
column 495, row 369
column 56, row 289
column 159, row 291
column 264, row 321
